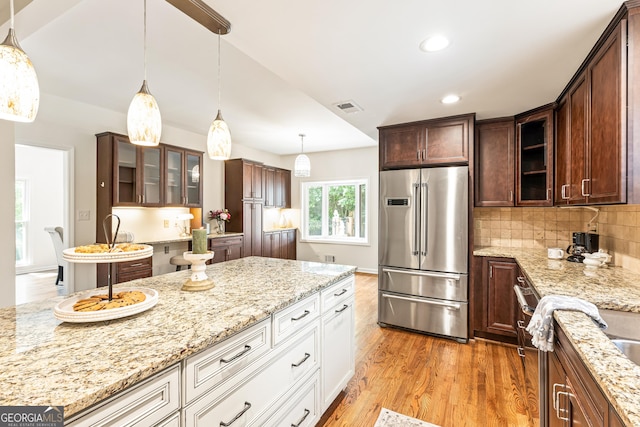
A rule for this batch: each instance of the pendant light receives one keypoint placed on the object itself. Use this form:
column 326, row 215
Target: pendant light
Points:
column 302, row 166
column 219, row 137
column 19, row 90
column 144, row 123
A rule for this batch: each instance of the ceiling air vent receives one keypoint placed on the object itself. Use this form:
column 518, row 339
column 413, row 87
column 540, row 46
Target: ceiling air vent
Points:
column 348, row 106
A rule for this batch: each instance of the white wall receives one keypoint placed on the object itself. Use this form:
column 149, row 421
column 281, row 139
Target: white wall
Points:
column 345, row 164
column 7, row 214
column 43, row 170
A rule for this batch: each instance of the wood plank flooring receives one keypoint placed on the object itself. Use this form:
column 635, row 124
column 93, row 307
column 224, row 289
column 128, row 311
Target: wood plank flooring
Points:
column 39, row 286
column 433, row 379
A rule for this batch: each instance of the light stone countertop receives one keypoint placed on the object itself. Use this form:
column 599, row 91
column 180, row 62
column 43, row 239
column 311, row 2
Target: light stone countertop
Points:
column 611, row 288
column 188, row 238
column 47, row 362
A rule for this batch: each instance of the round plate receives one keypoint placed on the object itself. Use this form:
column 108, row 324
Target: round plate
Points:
column 71, row 255
column 64, row 309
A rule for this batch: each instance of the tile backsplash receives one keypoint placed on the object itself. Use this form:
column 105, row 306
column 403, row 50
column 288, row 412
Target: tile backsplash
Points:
column 617, row 225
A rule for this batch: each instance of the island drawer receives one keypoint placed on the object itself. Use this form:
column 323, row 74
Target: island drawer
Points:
column 215, row 365
column 257, row 394
column 302, row 408
column 337, row 293
column 292, row 319
column 146, row 404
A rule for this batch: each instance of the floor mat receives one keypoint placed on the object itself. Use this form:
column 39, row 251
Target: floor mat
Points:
column 389, row 418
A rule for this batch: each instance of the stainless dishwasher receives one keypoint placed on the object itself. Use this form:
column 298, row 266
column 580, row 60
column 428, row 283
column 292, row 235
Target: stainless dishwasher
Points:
column 533, row 361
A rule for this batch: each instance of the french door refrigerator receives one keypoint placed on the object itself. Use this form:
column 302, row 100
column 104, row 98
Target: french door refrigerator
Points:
column 423, row 250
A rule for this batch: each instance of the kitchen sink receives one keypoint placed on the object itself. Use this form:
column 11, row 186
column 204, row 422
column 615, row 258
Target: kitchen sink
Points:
column 630, row 348
column 624, row 332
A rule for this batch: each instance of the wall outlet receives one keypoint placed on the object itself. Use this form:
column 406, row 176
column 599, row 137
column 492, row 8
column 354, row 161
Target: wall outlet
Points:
column 84, row 215
column 329, row 258
column 166, row 248
column 166, row 224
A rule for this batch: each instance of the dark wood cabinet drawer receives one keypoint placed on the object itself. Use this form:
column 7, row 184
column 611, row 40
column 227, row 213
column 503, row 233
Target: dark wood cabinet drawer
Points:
column 131, row 270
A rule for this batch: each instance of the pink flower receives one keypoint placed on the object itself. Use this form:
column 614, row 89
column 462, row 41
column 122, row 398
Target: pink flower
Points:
column 220, row 215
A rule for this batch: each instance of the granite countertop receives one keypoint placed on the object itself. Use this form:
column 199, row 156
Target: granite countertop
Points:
column 188, row 238
column 47, row 362
column 612, row 288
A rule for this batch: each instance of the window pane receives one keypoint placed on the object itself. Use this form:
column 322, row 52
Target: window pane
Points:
column 315, row 211
column 20, row 200
column 341, row 208
column 20, row 242
column 363, row 211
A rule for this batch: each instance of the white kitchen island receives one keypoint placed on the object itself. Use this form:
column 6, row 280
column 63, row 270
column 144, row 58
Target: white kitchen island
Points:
column 272, row 342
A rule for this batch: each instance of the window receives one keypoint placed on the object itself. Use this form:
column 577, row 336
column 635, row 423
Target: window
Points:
column 22, row 221
column 335, row 211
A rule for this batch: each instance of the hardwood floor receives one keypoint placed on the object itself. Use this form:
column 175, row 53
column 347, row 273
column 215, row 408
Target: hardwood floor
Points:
column 433, row 379
column 32, row 287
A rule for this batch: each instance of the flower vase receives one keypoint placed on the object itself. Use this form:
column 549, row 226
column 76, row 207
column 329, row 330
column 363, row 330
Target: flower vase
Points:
column 220, row 226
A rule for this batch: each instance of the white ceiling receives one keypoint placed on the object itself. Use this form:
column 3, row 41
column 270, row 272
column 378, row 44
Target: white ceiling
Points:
column 285, row 63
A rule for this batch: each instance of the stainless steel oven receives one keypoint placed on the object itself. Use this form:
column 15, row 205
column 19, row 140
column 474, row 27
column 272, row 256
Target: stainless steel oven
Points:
column 534, row 363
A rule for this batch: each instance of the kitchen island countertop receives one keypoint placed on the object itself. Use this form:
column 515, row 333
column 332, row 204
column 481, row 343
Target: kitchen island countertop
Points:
column 47, row 362
column 612, row 288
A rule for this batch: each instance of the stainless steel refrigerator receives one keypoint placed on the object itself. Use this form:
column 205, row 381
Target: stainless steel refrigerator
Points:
column 423, row 250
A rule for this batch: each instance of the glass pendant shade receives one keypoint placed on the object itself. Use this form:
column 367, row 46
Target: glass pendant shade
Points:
column 19, row 89
column 144, row 123
column 219, row 139
column 302, row 166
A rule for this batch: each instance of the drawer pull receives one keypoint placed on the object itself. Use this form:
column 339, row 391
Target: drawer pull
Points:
column 521, row 352
column 247, row 348
column 344, row 307
column 304, row 359
column 247, row 406
column 342, row 292
column 137, row 264
column 521, row 324
column 304, row 417
column 305, row 314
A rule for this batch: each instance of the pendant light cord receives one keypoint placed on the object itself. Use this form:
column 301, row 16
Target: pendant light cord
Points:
column 145, row 40
column 219, row 88
column 11, row 7
column 302, row 142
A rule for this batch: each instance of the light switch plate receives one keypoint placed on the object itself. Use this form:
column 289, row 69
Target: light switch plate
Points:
column 84, row 215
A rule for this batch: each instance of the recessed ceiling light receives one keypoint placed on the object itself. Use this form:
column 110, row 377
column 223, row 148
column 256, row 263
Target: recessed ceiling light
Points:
column 450, row 99
column 434, row 43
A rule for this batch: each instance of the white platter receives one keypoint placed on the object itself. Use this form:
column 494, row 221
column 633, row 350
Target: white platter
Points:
column 64, row 309
column 71, row 255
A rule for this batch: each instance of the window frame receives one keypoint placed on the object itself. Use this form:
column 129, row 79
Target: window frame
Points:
column 26, row 217
column 326, row 238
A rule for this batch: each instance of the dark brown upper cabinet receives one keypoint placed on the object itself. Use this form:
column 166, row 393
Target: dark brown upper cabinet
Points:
column 534, row 157
column 591, row 122
column 494, row 162
column 443, row 141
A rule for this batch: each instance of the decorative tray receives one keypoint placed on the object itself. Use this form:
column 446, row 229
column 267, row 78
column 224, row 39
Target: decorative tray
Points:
column 71, row 255
column 64, row 309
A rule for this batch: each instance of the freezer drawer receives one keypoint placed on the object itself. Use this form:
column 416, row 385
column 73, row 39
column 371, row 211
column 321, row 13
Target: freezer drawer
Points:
column 448, row 318
column 431, row 284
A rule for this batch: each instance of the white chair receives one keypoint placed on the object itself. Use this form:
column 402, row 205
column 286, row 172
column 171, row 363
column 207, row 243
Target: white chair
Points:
column 56, row 237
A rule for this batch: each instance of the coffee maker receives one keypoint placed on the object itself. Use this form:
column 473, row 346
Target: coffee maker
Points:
column 582, row 243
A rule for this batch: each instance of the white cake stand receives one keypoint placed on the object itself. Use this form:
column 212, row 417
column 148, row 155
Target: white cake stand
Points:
column 199, row 280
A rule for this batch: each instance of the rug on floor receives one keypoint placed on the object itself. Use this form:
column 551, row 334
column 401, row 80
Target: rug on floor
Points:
column 389, row 418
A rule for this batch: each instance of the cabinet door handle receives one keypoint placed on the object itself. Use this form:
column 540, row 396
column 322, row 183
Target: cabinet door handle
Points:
column 304, row 417
column 247, row 348
column 582, row 185
column 491, row 272
column 564, row 192
column 304, row 359
column 548, row 193
column 344, row 307
column 305, row 314
column 560, row 410
column 521, row 324
column 511, row 195
column 247, row 406
column 342, row 292
column 418, row 154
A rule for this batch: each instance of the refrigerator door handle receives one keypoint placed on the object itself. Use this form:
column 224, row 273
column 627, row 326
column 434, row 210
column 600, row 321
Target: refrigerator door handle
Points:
column 416, row 219
column 451, row 276
column 424, row 192
column 449, row 305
